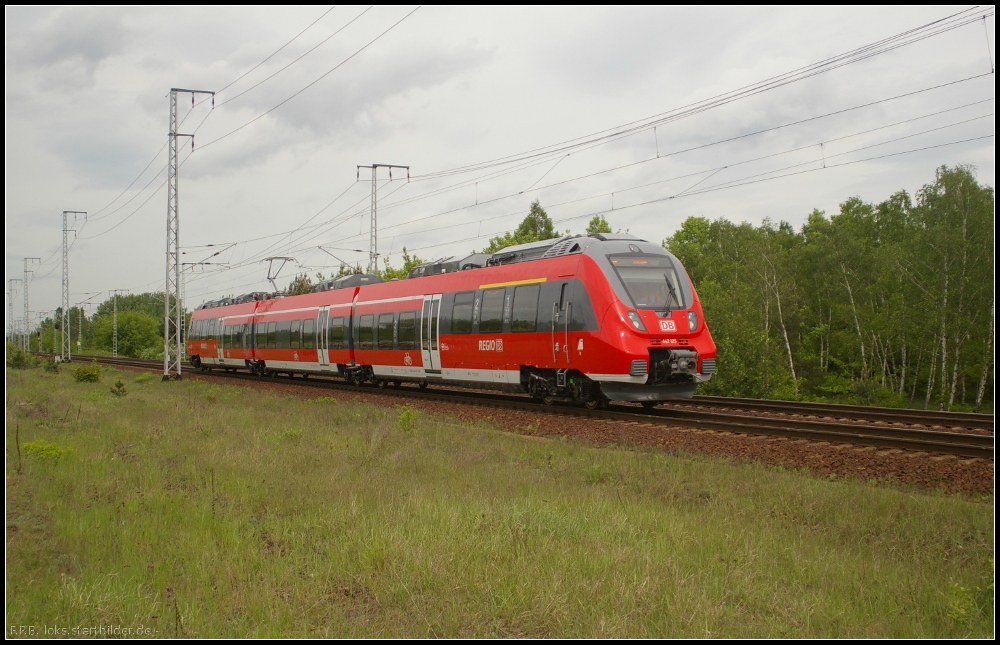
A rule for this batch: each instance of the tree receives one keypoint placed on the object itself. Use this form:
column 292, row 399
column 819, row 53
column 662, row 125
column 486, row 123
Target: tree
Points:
column 536, row 226
column 889, row 304
column 138, row 334
column 598, row 225
column 389, row 273
column 300, row 285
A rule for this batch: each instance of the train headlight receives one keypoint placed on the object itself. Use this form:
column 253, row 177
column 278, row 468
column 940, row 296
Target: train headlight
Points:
column 636, row 321
column 692, row 321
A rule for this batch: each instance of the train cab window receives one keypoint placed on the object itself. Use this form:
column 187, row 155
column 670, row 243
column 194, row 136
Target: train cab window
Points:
column 491, row 320
column 336, row 333
column 651, row 281
column 309, row 334
column 272, row 335
column 366, row 332
column 525, row 308
column 461, row 313
column 385, row 324
column 294, row 334
column 407, row 330
column 283, row 332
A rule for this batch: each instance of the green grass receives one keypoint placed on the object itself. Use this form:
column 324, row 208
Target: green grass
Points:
column 202, row 510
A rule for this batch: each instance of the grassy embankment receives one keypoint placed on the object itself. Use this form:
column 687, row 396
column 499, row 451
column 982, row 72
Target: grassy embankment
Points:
column 201, row 510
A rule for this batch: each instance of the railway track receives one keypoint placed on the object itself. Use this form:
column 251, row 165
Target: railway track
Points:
column 837, row 411
column 679, row 414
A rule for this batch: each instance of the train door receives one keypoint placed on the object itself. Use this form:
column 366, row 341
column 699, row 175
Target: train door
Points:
column 220, row 337
column 322, row 341
column 430, row 351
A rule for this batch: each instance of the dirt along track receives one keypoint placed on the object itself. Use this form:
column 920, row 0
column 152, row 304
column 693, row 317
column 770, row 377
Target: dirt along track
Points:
column 925, row 469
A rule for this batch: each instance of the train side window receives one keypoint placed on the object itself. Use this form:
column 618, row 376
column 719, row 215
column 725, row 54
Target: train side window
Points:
column 272, row 335
column 461, row 313
column 581, row 312
column 336, row 333
column 491, row 320
column 261, row 335
column 366, row 331
column 385, row 331
column 283, row 332
column 525, row 308
column 309, row 334
column 294, row 334
column 407, row 330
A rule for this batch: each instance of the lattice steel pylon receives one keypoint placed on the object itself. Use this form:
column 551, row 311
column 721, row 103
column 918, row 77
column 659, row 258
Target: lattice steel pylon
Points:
column 65, row 344
column 10, row 308
column 114, row 336
column 27, row 326
column 173, row 308
column 373, row 236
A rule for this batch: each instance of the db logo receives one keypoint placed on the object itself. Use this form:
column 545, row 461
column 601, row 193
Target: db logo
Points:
column 667, row 325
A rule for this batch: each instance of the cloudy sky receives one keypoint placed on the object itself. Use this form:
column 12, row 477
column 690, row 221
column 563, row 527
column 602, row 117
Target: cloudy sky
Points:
column 491, row 108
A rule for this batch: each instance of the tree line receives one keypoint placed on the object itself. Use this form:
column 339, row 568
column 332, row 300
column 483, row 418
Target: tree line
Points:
column 889, row 303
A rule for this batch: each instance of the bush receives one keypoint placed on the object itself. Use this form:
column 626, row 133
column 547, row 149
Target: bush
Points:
column 46, row 449
column 151, row 354
column 87, row 373
column 408, row 419
column 119, row 388
column 17, row 358
column 52, row 366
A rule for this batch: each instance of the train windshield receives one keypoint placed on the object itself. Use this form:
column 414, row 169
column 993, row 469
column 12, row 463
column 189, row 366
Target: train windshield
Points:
column 651, row 281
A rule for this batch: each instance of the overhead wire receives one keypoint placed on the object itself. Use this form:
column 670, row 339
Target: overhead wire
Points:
column 532, row 163
column 274, row 53
column 314, row 48
column 96, row 215
column 344, row 216
column 734, row 164
column 317, row 80
column 885, row 45
column 710, row 172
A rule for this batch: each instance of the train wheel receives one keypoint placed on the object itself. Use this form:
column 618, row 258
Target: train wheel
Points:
column 649, row 405
column 397, row 384
column 597, row 404
column 381, row 384
column 423, row 385
column 548, row 400
column 305, row 375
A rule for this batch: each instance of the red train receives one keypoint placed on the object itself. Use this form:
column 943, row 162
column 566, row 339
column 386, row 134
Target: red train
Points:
column 576, row 319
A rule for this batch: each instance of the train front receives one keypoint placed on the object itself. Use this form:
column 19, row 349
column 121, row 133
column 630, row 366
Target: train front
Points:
column 656, row 345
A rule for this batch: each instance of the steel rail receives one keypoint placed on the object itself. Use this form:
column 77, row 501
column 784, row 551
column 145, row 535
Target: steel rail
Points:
column 966, row 445
column 840, row 411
